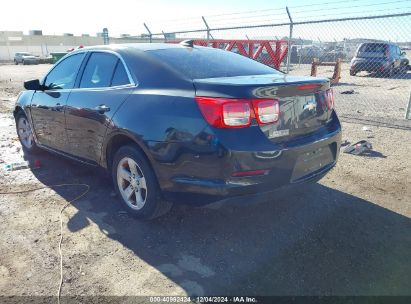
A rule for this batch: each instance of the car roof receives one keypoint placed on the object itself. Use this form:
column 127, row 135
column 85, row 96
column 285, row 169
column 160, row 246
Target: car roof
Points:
column 138, row 47
column 380, row 43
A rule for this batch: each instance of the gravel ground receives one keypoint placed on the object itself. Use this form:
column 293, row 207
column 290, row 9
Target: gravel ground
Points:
column 366, row 95
column 349, row 234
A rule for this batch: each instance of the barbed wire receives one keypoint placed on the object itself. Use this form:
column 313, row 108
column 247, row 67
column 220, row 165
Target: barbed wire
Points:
column 342, row 15
column 253, row 19
column 348, row 7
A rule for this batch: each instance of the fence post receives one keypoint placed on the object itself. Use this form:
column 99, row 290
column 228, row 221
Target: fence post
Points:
column 290, row 36
column 149, row 33
column 208, row 29
column 407, row 111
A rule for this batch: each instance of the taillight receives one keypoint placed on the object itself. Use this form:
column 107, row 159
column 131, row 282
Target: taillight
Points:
column 249, row 173
column 330, row 98
column 308, row 87
column 224, row 112
column 237, row 113
column 266, row 110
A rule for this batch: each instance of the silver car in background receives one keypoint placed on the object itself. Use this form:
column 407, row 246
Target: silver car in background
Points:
column 25, row 58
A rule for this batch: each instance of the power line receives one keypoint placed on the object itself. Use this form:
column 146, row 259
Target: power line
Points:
column 249, row 12
column 280, row 8
column 246, row 15
column 349, row 13
column 324, row 3
column 348, row 7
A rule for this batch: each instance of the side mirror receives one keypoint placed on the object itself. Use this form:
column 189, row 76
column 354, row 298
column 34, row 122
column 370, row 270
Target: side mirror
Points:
column 33, row 85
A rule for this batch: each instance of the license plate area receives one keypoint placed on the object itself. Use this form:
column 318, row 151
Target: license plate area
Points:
column 312, row 161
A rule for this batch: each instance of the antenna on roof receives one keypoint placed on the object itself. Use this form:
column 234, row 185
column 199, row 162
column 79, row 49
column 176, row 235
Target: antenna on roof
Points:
column 187, row 43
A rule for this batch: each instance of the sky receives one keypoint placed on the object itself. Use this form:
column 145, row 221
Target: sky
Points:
column 127, row 16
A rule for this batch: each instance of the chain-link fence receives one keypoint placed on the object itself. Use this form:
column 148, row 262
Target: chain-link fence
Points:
column 366, row 58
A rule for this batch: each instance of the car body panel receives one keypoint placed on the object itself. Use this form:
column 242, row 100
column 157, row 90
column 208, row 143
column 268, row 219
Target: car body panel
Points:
column 190, row 158
column 47, row 114
column 86, row 126
column 386, row 59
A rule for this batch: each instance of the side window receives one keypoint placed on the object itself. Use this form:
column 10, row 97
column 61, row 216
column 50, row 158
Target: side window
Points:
column 64, row 74
column 120, row 76
column 99, row 70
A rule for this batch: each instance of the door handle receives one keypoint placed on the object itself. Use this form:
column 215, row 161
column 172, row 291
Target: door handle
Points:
column 102, row 109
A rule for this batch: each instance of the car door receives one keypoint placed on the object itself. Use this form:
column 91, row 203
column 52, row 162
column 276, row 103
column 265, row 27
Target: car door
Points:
column 104, row 85
column 48, row 106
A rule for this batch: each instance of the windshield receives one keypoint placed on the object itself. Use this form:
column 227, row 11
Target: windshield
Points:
column 372, row 50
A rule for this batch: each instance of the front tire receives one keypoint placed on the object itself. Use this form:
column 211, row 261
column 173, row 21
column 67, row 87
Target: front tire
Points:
column 25, row 133
column 136, row 184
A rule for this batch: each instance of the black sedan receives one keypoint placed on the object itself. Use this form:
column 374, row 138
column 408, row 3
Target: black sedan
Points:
column 182, row 123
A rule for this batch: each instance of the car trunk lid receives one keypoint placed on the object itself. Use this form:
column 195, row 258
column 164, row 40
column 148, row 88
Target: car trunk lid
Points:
column 303, row 100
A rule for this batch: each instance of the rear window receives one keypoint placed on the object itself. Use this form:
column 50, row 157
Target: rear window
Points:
column 199, row 63
column 373, row 48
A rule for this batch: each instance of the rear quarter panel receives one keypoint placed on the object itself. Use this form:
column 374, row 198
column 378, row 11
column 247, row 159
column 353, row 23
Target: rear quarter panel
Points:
column 170, row 129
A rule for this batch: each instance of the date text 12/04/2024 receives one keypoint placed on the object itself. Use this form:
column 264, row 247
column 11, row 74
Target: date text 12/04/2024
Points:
column 172, row 299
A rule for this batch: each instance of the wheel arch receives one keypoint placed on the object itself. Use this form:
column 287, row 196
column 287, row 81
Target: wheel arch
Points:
column 115, row 141
column 17, row 110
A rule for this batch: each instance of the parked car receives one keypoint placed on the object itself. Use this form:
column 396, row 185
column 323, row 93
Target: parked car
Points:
column 383, row 58
column 25, row 58
column 182, row 123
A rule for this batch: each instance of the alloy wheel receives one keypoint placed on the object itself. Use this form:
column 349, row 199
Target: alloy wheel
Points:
column 25, row 133
column 131, row 183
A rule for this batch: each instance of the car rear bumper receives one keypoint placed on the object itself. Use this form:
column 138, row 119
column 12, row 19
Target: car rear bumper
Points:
column 30, row 61
column 295, row 163
column 369, row 67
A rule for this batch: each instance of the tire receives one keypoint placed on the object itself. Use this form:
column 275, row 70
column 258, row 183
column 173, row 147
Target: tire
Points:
column 352, row 73
column 25, row 134
column 16, row 62
column 136, row 184
column 23, row 62
column 389, row 73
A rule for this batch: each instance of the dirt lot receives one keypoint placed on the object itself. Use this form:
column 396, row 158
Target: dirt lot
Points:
column 366, row 95
column 349, row 234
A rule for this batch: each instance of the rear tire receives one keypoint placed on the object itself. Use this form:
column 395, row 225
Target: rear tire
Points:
column 23, row 62
column 16, row 62
column 136, row 184
column 389, row 73
column 25, row 134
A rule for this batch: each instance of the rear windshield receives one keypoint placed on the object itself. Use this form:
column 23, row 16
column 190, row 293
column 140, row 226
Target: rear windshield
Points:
column 199, row 63
column 373, row 48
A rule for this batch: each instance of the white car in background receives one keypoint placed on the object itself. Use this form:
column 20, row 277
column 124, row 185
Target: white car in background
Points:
column 25, row 58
